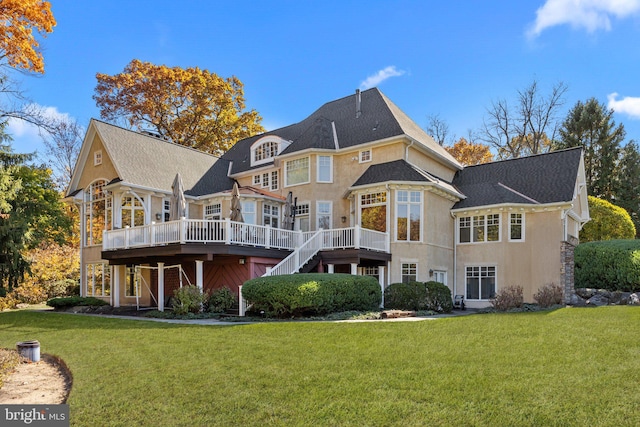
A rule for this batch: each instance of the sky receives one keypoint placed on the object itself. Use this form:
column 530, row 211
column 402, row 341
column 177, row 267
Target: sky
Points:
column 451, row 59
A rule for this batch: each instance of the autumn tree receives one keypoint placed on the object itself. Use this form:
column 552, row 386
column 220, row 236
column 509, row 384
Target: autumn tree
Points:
column 192, row 107
column 469, row 153
column 20, row 18
column 526, row 128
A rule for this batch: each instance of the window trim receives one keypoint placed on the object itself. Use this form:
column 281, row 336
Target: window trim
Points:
column 280, row 145
column 318, row 203
column 402, row 269
column 522, row 226
column 409, row 203
column 286, row 174
column 211, row 216
column 330, row 180
column 480, row 267
column 470, row 222
column 361, row 156
column 106, row 279
column 97, row 158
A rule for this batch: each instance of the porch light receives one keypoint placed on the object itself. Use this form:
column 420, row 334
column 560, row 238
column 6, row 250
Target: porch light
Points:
column 158, row 216
column 344, row 219
column 241, row 261
column 430, row 273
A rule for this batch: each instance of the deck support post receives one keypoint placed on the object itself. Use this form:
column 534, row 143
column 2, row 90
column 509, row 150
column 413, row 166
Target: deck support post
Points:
column 161, row 286
column 199, row 279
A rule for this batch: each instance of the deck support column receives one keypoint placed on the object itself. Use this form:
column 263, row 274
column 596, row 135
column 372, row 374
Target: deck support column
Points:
column 354, row 268
column 330, row 268
column 161, row 286
column 381, row 280
column 115, row 291
column 199, row 280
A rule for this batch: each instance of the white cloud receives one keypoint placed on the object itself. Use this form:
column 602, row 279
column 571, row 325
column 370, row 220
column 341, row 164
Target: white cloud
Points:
column 628, row 105
column 591, row 15
column 381, row 76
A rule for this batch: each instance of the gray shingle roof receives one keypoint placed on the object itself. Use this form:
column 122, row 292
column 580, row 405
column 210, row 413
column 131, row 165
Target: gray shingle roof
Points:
column 380, row 119
column 539, row 179
column 151, row 162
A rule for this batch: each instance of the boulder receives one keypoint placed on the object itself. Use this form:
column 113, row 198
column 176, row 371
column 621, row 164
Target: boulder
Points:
column 598, row 300
column 577, row 301
column 586, row 293
column 634, row 299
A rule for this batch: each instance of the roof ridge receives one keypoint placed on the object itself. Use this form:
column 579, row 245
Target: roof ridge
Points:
column 526, row 157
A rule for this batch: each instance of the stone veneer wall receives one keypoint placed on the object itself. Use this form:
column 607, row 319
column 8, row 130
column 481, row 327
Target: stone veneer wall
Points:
column 567, row 267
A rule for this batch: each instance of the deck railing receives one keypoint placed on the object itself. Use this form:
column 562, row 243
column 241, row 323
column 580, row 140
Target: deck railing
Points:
column 238, row 233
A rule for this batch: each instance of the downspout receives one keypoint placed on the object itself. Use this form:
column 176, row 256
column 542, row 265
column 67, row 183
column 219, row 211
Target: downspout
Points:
column 455, row 255
column 406, row 151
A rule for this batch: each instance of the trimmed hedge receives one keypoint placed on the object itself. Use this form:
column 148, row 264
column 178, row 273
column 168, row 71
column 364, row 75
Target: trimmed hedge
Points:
column 66, row 302
column 417, row 296
column 312, row 294
column 612, row 264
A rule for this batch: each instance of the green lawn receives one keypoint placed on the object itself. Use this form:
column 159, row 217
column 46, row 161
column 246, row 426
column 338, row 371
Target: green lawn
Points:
column 567, row 367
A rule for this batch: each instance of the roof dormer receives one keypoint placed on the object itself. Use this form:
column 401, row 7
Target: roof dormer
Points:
column 265, row 149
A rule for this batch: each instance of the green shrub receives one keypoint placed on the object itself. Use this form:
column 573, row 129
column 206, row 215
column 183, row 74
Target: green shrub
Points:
column 406, row 296
column 311, row 293
column 433, row 296
column 508, row 298
column 188, row 299
column 548, row 295
column 613, row 265
column 66, row 302
column 221, row 300
column 61, row 288
column 439, row 297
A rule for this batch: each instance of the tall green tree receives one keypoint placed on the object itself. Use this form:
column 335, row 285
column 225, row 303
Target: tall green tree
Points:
column 590, row 125
column 608, row 222
column 32, row 214
column 627, row 183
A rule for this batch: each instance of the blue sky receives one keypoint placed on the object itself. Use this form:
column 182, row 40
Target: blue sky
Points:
column 446, row 58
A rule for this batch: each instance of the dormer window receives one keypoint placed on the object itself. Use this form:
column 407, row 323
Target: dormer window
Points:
column 266, row 149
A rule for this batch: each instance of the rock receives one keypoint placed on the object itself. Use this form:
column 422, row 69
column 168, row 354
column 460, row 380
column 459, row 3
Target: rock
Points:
column 619, row 297
column 598, row 300
column 577, row 301
column 585, row 293
column 634, row 299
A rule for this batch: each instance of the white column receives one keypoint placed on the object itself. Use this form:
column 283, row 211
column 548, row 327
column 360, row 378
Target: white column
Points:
column 354, row 268
column 199, row 279
column 330, row 268
column 381, row 280
column 115, row 284
column 161, row 286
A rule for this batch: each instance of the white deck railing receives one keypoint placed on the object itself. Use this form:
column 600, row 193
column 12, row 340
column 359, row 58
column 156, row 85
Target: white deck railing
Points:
column 238, row 233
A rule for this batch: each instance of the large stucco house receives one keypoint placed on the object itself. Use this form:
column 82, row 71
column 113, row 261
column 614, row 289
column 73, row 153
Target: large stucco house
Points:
column 356, row 187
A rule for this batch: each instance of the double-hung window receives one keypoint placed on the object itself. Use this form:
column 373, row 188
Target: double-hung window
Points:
column 325, row 169
column 296, row 171
column 323, row 215
column 516, row 227
column 409, row 272
column 270, row 214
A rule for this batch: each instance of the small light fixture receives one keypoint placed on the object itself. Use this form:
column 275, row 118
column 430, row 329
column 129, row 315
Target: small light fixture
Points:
column 344, row 219
column 430, row 273
column 241, row 261
column 158, row 216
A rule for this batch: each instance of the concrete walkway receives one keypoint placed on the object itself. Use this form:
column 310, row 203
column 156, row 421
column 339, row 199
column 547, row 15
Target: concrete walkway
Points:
column 216, row 322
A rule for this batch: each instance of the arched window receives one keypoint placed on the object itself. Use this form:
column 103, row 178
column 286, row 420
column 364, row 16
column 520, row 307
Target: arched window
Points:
column 97, row 212
column 266, row 149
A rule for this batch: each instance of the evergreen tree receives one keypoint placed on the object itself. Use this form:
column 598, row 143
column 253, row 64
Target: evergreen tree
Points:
column 627, row 183
column 591, row 126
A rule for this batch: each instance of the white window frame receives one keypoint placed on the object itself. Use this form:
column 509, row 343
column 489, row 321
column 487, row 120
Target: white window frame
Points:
column 369, row 200
column 166, row 209
column 268, row 210
column 94, row 194
column 248, row 209
column 257, row 179
column 406, row 264
column 303, row 211
column 365, row 156
column 324, row 214
column 97, row 157
column 137, row 204
column 409, row 202
column 511, row 224
column 322, row 168
column 212, row 211
column 480, row 268
column 274, row 180
column 265, row 180
column 90, row 278
column 475, row 222
column 437, row 274
column 292, row 162
column 267, row 149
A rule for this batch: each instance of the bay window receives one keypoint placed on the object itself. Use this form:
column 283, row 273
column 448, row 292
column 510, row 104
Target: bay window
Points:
column 408, row 212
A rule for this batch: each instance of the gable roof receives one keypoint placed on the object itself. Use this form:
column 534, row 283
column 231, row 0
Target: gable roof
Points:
column 401, row 171
column 150, row 162
column 538, row 179
column 379, row 119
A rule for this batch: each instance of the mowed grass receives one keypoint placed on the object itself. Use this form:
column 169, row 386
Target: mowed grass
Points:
column 566, row 367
